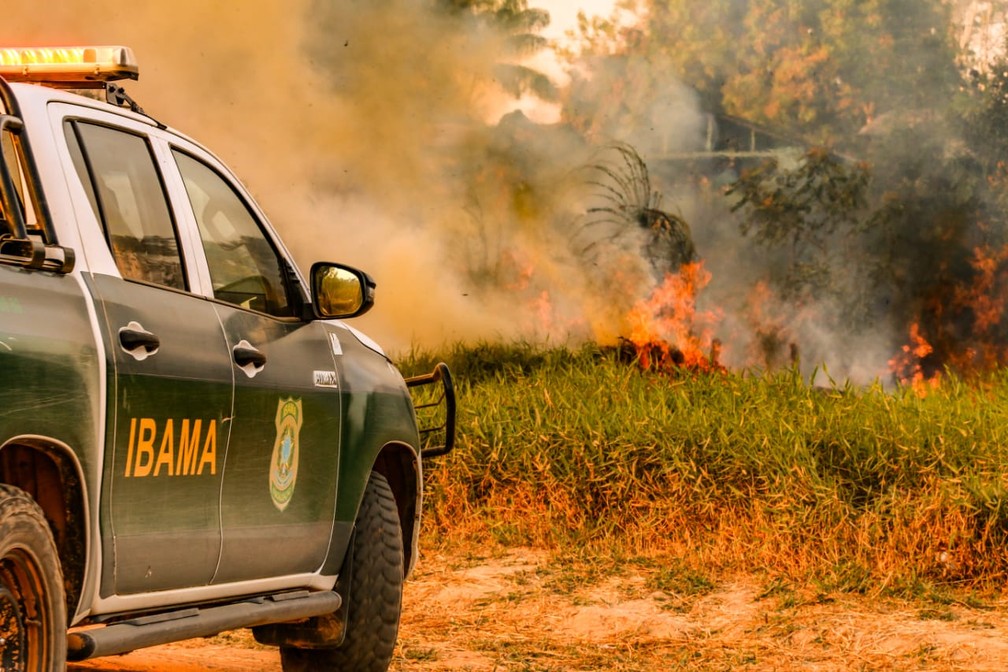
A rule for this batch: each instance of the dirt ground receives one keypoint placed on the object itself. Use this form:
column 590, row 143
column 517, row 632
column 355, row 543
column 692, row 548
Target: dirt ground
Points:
column 520, row 610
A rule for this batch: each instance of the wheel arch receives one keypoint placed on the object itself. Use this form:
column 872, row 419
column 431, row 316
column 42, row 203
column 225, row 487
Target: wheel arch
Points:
column 399, row 463
column 49, row 472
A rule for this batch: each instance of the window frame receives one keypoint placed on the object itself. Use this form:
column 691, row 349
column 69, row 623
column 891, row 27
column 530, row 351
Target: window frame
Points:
column 13, row 153
column 290, row 275
column 70, row 124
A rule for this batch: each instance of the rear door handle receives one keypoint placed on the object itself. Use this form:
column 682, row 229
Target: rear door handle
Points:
column 137, row 341
column 249, row 359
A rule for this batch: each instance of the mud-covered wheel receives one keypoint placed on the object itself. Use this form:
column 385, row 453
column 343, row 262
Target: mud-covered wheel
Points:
column 376, row 579
column 32, row 604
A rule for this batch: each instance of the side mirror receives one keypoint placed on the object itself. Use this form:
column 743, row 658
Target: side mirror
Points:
column 340, row 291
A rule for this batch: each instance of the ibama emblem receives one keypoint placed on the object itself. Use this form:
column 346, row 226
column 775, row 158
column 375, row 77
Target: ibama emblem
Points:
column 284, row 465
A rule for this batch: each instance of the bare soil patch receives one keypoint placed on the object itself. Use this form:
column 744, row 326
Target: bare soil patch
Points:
column 523, row 610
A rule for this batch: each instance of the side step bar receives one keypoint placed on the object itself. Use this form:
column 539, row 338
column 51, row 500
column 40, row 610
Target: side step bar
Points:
column 137, row 633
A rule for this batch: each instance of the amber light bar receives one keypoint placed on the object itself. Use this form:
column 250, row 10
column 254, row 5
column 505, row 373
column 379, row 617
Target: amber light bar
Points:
column 68, row 66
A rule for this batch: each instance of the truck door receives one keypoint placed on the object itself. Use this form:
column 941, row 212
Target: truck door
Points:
column 278, row 495
column 170, row 379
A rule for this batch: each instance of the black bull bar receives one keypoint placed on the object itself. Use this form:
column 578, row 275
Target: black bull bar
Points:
column 435, row 411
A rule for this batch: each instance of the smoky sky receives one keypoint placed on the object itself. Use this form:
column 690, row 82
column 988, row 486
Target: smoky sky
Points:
column 374, row 133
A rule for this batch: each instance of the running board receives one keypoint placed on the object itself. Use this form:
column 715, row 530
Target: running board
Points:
column 137, row 633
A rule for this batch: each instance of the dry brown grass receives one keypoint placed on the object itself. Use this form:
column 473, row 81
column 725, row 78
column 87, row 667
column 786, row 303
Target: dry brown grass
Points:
column 872, row 490
column 911, row 546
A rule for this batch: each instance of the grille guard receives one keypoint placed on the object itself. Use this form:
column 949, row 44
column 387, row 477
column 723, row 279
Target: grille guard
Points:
column 440, row 411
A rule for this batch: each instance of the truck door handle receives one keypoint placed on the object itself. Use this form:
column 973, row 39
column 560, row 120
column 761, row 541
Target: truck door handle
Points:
column 248, row 358
column 137, row 341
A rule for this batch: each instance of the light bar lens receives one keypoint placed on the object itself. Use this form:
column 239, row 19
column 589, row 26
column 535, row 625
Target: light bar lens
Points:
column 69, row 66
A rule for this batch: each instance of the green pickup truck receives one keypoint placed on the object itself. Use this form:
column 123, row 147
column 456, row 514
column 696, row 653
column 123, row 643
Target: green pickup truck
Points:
column 192, row 440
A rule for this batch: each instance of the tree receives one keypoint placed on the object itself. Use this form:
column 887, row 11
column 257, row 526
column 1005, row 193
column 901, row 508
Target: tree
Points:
column 809, row 213
column 520, row 25
column 917, row 246
column 820, row 68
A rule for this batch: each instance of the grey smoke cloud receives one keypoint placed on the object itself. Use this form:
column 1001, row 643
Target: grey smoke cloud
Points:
column 369, row 133
column 355, row 125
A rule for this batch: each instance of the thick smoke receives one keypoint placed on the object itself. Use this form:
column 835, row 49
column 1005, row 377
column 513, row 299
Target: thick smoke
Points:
column 367, row 131
column 911, row 255
column 373, row 133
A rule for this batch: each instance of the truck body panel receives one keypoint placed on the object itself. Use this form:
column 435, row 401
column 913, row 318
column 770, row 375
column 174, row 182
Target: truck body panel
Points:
column 192, row 430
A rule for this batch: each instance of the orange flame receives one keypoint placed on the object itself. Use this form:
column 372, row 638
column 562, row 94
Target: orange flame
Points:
column 964, row 331
column 982, row 296
column 666, row 329
column 985, row 301
column 543, row 308
column 908, row 366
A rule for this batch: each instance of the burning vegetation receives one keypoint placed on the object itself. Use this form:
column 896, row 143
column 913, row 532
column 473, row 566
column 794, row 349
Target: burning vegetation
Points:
column 875, row 245
column 962, row 331
column 663, row 331
column 629, row 209
column 666, row 330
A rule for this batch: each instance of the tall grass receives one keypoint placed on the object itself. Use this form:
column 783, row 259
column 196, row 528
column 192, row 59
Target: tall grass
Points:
column 863, row 488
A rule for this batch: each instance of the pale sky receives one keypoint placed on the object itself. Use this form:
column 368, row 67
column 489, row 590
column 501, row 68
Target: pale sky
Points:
column 563, row 13
column 563, row 17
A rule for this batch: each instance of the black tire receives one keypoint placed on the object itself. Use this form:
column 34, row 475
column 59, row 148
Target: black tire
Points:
column 376, row 581
column 32, row 602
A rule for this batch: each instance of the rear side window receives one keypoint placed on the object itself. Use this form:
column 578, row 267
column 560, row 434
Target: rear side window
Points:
column 13, row 157
column 124, row 187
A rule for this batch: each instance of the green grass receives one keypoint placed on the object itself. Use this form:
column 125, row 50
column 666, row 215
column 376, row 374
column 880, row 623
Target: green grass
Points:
column 854, row 489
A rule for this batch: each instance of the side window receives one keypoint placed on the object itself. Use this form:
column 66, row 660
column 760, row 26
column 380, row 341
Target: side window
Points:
column 14, row 160
column 244, row 266
column 121, row 179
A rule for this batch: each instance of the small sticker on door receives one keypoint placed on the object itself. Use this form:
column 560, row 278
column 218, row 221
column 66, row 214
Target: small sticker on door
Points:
column 337, row 349
column 325, row 379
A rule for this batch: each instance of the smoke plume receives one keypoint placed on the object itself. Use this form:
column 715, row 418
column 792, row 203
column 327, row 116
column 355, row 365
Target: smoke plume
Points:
column 368, row 133
column 374, row 133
